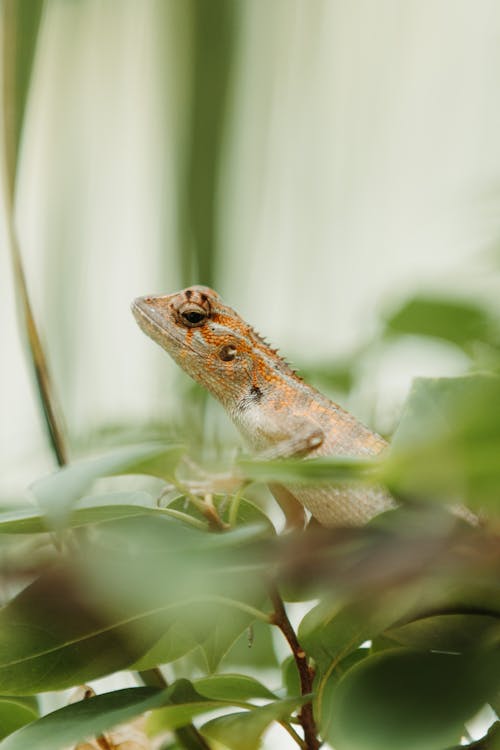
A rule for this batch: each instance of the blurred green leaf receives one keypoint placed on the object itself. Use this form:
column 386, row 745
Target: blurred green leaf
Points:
column 447, row 445
column 416, row 700
column 58, row 492
column 227, row 624
column 243, row 730
column 335, row 376
column 447, row 632
column 290, row 676
column 27, row 521
column 175, row 641
column 330, row 631
column 237, row 687
column 84, row 719
column 151, row 562
column 457, row 321
column 52, row 637
column 136, row 578
column 254, row 648
column 21, row 20
column 207, row 585
column 321, row 470
column 15, row 712
column 328, row 685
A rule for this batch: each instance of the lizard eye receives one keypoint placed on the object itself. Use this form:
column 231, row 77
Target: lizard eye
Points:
column 227, row 353
column 193, row 316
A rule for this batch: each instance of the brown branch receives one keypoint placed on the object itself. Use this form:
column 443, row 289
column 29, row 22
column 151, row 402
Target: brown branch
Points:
column 103, row 742
column 306, row 674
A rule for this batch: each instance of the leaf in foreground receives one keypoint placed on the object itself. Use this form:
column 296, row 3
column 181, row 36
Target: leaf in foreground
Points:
column 84, row 719
column 237, row 687
column 404, row 698
column 57, row 492
column 243, row 730
column 447, row 444
column 15, row 712
column 52, row 637
column 29, row 521
column 120, row 592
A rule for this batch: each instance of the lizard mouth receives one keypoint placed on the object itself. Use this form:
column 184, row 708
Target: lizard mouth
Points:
column 157, row 322
column 150, row 321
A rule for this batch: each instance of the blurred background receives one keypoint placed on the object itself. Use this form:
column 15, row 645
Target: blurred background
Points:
column 319, row 162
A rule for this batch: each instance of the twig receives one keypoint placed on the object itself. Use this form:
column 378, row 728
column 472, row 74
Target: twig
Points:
column 206, row 506
column 293, row 734
column 103, row 742
column 306, row 674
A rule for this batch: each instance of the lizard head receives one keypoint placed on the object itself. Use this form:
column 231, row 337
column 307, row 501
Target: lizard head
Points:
column 211, row 343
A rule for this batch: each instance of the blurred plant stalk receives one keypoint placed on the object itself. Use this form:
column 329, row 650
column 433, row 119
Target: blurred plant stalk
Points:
column 20, row 23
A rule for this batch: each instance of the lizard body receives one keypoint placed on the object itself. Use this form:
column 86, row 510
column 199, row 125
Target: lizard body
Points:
column 277, row 413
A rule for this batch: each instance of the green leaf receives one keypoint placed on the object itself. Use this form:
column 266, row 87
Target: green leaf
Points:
column 175, row 641
column 329, row 631
column 145, row 564
column 184, row 703
column 447, row 445
column 21, row 21
column 58, row 492
column 403, row 698
column 52, row 637
column 28, row 521
column 326, row 693
column 455, row 320
column 15, row 712
column 254, row 648
column 243, row 730
column 84, row 719
column 120, row 591
column 447, row 632
column 325, row 469
column 238, row 687
column 290, row 676
column 132, row 558
column 227, row 625
column 333, row 376
column 248, row 514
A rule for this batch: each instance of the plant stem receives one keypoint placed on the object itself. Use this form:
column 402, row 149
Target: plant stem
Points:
column 306, row 674
column 8, row 159
column 293, row 734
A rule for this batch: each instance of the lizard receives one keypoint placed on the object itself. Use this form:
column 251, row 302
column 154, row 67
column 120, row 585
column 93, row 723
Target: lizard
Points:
column 278, row 414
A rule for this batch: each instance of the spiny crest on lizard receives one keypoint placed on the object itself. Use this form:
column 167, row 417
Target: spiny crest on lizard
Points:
column 213, row 344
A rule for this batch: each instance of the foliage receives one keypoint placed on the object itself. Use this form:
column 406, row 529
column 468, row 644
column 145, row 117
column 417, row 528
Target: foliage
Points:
column 133, row 584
